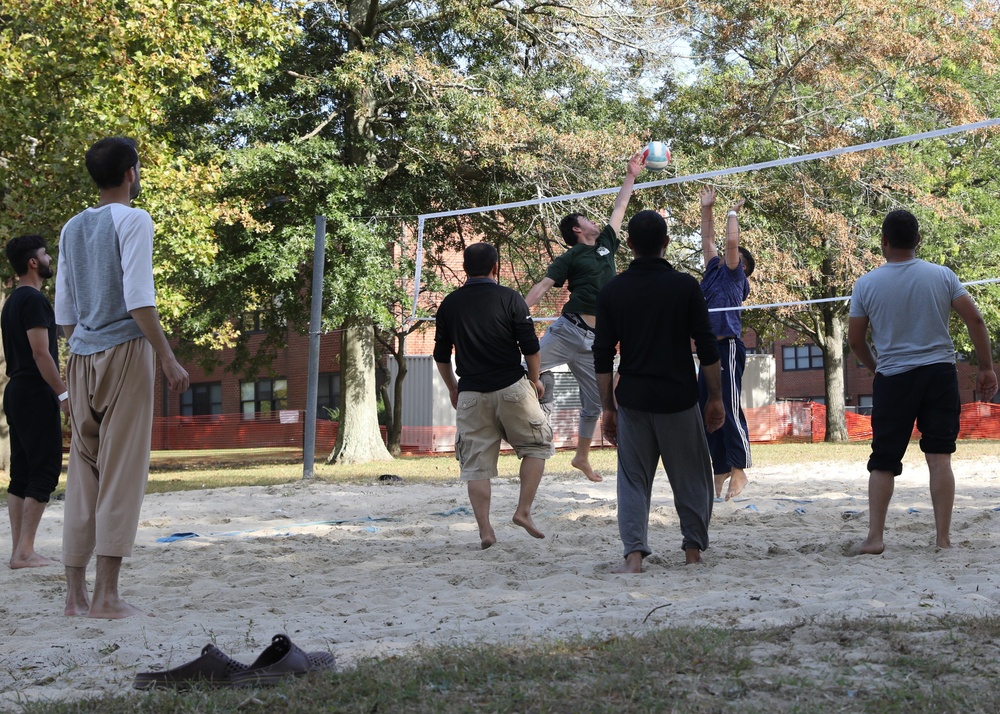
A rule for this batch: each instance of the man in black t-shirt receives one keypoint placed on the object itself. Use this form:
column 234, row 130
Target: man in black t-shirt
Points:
column 32, row 399
column 489, row 328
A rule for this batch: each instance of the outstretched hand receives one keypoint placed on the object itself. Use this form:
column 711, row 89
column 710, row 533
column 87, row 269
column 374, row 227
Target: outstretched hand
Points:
column 738, row 205
column 707, row 194
column 636, row 163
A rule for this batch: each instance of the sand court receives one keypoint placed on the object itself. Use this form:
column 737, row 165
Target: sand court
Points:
column 372, row 570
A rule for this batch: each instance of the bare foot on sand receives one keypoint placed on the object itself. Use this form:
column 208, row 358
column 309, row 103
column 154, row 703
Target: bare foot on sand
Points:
column 31, row 561
column 944, row 542
column 871, row 546
column 75, row 608
column 115, row 611
column 527, row 524
column 736, row 483
column 692, row 556
column 720, row 481
column 583, row 464
column 487, row 538
column 632, row 564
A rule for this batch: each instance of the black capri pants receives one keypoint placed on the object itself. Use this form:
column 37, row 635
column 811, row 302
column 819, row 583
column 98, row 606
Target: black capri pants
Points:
column 35, row 422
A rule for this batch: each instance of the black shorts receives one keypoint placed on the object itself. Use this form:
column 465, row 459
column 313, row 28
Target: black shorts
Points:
column 926, row 395
column 35, row 422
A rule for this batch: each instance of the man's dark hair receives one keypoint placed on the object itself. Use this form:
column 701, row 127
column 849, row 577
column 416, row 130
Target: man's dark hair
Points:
column 901, row 230
column 748, row 262
column 22, row 249
column 109, row 159
column 647, row 233
column 479, row 259
column 566, row 226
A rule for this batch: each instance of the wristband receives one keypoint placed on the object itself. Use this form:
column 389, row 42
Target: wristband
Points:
column 64, row 396
column 731, row 213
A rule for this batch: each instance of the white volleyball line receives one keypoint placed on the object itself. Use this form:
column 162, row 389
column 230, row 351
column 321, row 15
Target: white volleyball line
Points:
column 421, row 219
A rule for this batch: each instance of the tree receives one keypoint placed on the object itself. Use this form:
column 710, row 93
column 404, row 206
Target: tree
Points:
column 782, row 79
column 74, row 72
column 422, row 106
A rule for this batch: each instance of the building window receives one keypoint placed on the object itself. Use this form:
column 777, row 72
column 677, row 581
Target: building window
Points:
column 865, row 404
column 801, row 357
column 263, row 396
column 202, row 399
column 328, row 396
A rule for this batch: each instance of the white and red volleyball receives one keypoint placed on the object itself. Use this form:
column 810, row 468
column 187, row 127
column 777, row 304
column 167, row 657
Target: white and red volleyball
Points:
column 656, row 156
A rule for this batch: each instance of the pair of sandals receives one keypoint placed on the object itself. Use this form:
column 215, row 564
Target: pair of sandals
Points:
column 282, row 660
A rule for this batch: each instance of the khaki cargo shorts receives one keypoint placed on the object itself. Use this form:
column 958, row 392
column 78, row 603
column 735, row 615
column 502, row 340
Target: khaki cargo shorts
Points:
column 484, row 419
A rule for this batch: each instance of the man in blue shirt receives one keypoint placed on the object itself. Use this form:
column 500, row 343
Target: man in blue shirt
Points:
column 725, row 285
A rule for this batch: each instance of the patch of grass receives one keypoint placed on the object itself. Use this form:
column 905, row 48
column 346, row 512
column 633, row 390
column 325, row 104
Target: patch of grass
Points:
column 691, row 670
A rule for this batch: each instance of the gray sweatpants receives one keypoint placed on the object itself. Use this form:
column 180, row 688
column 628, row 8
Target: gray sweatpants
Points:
column 565, row 343
column 679, row 441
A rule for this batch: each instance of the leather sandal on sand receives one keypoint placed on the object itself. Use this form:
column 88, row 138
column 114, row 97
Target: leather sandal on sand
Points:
column 281, row 660
column 213, row 669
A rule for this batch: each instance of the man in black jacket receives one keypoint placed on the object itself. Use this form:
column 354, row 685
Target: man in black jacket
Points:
column 489, row 327
column 652, row 312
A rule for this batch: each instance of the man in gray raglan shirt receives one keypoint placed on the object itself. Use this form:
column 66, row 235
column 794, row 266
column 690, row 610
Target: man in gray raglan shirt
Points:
column 106, row 305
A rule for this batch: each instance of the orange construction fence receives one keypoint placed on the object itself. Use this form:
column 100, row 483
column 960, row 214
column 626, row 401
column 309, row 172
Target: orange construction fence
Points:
column 783, row 422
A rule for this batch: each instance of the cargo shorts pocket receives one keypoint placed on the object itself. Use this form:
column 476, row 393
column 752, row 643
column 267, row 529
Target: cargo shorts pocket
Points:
column 467, row 402
column 514, row 393
column 541, row 430
column 461, row 450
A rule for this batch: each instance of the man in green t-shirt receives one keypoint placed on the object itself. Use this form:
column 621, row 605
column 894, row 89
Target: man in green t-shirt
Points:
column 586, row 266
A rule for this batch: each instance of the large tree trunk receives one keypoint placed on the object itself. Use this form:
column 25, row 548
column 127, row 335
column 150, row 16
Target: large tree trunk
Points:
column 833, row 375
column 358, row 438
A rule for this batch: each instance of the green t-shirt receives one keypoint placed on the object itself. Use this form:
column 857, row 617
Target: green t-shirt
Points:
column 587, row 268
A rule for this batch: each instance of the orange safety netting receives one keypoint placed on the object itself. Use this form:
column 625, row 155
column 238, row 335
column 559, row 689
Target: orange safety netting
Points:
column 783, row 422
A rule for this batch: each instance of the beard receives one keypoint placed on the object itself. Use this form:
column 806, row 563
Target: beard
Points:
column 45, row 272
column 134, row 192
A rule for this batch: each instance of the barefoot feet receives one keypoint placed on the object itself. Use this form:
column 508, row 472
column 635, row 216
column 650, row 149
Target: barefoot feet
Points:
column 524, row 520
column 871, row 546
column 692, row 556
column 32, row 560
column 632, row 564
column 737, row 482
column 583, row 464
column 487, row 537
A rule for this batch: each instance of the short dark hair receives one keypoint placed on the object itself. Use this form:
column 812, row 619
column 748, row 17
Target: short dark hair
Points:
column 748, row 262
column 479, row 259
column 647, row 233
column 566, row 226
column 901, row 229
column 109, row 159
column 22, row 249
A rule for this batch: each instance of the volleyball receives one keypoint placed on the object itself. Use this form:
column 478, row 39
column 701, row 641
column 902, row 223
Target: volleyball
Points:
column 656, row 155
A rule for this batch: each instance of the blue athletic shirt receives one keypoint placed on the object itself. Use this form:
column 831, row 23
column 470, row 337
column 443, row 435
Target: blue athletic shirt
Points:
column 725, row 288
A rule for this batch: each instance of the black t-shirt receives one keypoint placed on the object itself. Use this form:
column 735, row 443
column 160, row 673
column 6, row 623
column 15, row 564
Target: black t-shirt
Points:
column 489, row 327
column 26, row 309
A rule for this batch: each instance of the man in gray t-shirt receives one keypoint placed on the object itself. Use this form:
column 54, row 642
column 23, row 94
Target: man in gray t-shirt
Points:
column 907, row 302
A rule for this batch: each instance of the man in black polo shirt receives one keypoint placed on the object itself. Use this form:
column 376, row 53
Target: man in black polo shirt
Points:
column 489, row 327
column 652, row 312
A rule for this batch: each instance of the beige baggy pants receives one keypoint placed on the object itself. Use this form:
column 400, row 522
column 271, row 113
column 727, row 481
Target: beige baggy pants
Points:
column 111, row 415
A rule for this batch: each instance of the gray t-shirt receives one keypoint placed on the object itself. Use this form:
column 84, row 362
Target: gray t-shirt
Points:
column 908, row 305
column 105, row 270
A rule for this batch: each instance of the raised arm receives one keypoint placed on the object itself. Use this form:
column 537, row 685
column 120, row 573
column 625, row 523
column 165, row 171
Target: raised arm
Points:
column 708, row 249
column 986, row 380
column 733, row 235
column 621, row 202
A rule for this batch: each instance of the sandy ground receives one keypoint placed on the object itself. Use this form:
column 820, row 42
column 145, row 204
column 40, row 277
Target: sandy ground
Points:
column 305, row 559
